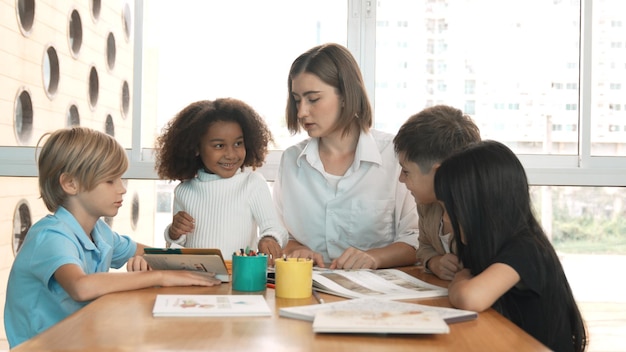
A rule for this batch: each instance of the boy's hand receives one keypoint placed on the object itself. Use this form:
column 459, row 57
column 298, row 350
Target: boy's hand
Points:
column 445, row 266
column 137, row 263
column 182, row 224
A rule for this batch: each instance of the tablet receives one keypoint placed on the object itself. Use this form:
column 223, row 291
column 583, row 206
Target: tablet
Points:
column 195, row 259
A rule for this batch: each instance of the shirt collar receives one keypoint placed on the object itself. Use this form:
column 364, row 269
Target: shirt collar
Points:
column 366, row 151
column 207, row 177
column 68, row 218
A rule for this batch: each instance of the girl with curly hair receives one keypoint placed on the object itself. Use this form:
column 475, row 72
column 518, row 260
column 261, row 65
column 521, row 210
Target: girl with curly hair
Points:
column 219, row 203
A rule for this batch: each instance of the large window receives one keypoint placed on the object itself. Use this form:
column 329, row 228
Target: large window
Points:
column 545, row 77
column 238, row 48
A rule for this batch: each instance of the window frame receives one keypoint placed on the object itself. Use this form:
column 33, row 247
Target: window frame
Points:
column 558, row 170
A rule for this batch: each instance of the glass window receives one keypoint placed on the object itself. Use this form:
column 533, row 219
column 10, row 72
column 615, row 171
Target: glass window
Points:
column 608, row 76
column 211, row 49
column 525, row 53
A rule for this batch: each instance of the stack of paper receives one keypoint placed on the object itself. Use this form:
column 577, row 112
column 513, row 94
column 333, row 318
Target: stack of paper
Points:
column 210, row 306
column 372, row 315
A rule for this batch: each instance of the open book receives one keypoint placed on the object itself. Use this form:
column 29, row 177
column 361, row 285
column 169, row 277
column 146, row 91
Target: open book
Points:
column 382, row 283
column 197, row 259
column 210, row 306
column 309, row 312
column 383, row 322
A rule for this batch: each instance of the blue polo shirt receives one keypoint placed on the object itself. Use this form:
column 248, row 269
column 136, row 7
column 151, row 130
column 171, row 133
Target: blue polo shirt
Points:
column 35, row 300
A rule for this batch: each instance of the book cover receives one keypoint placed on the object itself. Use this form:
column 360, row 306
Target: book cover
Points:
column 308, row 312
column 414, row 321
column 210, row 306
column 195, row 259
column 382, row 283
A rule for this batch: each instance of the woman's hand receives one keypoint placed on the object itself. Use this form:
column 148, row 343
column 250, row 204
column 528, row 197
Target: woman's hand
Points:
column 296, row 250
column 353, row 258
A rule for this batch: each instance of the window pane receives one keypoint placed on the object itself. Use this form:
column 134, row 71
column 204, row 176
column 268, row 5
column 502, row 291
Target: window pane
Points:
column 608, row 106
column 196, row 50
column 513, row 66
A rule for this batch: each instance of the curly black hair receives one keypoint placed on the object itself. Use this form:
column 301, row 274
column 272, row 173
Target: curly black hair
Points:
column 176, row 147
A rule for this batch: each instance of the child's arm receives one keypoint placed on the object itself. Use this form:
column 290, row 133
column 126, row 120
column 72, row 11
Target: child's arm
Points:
column 83, row 287
column 375, row 258
column 480, row 292
column 269, row 245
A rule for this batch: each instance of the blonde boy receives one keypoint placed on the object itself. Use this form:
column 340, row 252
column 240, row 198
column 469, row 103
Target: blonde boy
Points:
column 64, row 261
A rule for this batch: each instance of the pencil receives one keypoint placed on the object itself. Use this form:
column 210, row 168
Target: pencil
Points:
column 319, row 299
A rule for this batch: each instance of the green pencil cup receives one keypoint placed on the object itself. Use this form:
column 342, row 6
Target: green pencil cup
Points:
column 249, row 273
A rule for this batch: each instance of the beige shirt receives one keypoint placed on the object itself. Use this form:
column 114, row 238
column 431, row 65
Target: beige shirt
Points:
column 429, row 241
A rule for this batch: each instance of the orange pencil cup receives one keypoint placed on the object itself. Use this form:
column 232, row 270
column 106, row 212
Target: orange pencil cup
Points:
column 294, row 277
column 249, row 273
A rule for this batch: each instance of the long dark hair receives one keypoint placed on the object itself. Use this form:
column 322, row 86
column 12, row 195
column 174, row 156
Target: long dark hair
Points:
column 485, row 192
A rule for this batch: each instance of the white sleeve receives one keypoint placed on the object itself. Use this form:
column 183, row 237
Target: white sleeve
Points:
column 180, row 241
column 264, row 211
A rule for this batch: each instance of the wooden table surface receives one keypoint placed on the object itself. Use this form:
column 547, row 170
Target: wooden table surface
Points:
column 123, row 322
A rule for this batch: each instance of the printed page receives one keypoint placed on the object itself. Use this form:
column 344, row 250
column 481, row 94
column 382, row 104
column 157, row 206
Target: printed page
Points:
column 384, row 283
column 210, row 306
column 380, row 322
column 308, row 312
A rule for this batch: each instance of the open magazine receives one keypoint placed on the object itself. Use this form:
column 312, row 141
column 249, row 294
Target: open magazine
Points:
column 368, row 305
column 384, row 322
column 381, row 283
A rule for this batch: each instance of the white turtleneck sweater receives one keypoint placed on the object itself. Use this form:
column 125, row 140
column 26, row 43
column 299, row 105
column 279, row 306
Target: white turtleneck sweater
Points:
column 230, row 213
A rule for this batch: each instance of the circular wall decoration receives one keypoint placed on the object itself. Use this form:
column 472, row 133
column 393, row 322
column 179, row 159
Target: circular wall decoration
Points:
column 125, row 99
column 75, row 33
column 96, row 5
column 73, row 117
column 22, row 221
column 109, row 127
column 26, row 15
column 51, row 71
column 127, row 20
column 94, row 87
column 134, row 212
column 23, row 119
column 111, row 51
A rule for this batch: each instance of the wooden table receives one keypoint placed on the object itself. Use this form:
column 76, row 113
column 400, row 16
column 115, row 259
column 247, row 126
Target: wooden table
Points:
column 123, row 322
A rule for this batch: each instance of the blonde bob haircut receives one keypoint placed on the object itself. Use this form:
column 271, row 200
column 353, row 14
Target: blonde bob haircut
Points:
column 335, row 66
column 89, row 156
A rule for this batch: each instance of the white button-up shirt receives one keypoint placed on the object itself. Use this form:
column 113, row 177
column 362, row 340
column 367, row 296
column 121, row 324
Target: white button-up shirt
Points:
column 367, row 208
